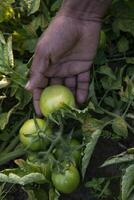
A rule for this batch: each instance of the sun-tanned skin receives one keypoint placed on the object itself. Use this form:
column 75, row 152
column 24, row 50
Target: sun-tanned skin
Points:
column 65, row 51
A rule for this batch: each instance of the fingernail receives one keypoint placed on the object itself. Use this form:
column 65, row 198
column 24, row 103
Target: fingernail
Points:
column 27, row 86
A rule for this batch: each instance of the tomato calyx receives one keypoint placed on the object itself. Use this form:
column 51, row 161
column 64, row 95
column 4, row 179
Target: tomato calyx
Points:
column 35, row 134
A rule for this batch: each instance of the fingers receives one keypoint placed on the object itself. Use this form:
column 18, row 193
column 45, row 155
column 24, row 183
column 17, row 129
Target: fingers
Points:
column 82, row 87
column 36, row 97
column 36, row 84
column 56, row 81
column 70, row 82
column 79, row 86
column 68, row 68
column 36, row 80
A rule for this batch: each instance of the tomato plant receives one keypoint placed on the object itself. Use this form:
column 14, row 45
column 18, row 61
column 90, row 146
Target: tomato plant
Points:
column 111, row 102
column 30, row 134
column 54, row 97
column 67, row 181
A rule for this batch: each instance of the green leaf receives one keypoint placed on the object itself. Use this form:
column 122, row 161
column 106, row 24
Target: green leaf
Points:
column 99, row 188
column 30, row 193
column 10, row 51
column 6, row 10
column 119, row 159
column 32, row 6
column 92, row 93
column 3, row 60
column 18, row 176
column 106, row 70
column 131, row 197
column 88, row 151
column 6, row 157
column 130, row 69
column 90, row 125
column 23, row 96
column 100, row 58
column 127, row 92
column 119, row 126
column 56, row 5
column 124, row 9
column 130, row 60
column 109, row 101
column 46, row 12
column 2, row 39
column 126, row 25
column 127, row 182
column 109, row 84
column 4, row 117
column 29, row 44
column 19, row 74
column 123, row 45
column 6, row 55
column 39, row 21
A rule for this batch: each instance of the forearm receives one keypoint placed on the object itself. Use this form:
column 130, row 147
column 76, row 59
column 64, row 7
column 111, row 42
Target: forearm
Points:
column 86, row 9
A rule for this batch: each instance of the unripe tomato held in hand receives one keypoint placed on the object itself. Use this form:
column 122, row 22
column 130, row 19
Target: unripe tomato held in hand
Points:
column 54, row 97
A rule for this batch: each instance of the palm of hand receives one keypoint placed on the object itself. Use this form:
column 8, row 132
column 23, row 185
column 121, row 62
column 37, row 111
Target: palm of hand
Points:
column 64, row 55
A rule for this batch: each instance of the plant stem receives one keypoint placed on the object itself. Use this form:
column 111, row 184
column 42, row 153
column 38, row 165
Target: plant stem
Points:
column 127, row 108
column 130, row 128
column 58, row 138
column 104, row 189
column 54, row 142
column 109, row 113
column 12, row 133
column 106, row 92
column 12, row 145
column 3, row 145
column 107, row 123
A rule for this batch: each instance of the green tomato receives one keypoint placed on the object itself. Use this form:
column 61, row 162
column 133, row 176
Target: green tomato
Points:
column 54, row 97
column 38, row 165
column 67, row 181
column 29, row 134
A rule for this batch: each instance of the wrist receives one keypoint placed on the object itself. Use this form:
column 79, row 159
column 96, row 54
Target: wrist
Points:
column 92, row 10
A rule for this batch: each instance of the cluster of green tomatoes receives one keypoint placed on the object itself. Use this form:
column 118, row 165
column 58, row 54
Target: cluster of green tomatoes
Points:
column 56, row 157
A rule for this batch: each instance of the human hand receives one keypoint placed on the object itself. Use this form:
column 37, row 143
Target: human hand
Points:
column 64, row 55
